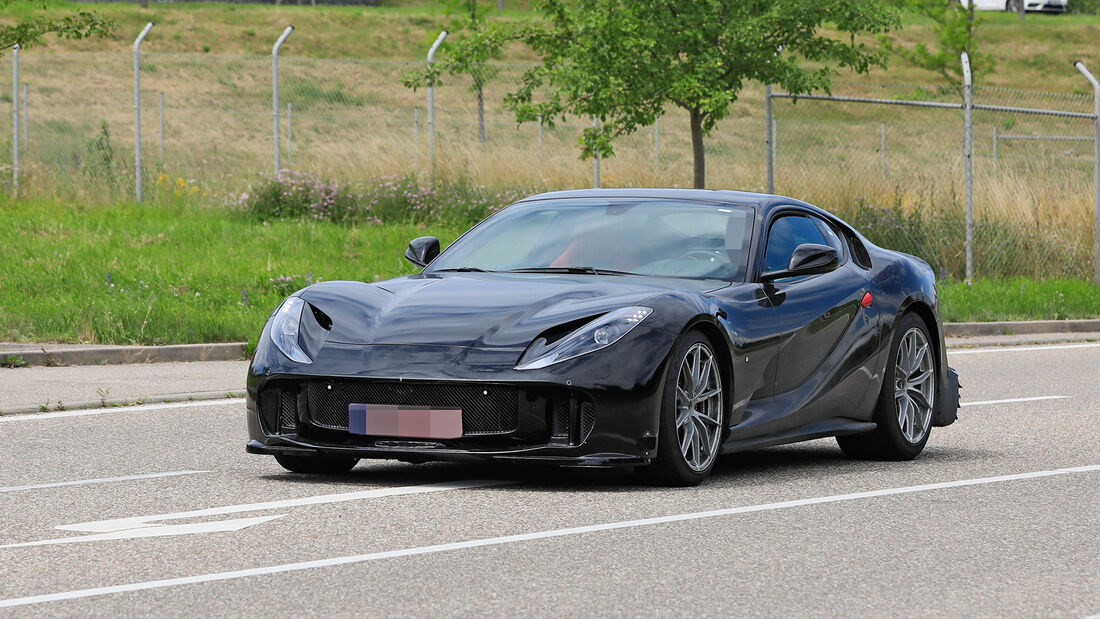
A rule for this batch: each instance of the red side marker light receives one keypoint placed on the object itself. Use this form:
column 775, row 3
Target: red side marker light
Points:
column 866, row 302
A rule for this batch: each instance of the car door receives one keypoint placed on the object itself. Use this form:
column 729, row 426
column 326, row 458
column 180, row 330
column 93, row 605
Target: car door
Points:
column 821, row 370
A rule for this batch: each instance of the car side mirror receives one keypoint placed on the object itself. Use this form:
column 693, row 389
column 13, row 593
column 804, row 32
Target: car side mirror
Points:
column 807, row 259
column 422, row 250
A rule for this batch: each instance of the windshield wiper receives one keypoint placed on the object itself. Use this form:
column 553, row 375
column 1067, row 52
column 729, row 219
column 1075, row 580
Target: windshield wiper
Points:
column 462, row 270
column 572, row 269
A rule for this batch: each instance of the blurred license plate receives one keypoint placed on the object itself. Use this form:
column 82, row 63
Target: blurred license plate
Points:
column 407, row 421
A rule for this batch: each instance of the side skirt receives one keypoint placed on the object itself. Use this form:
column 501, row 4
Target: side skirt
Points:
column 837, row 426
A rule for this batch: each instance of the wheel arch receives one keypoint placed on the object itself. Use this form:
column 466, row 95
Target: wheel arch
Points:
column 928, row 317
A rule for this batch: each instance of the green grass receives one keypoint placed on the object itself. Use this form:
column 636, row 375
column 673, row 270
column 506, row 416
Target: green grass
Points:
column 1019, row 299
column 178, row 273
column 1035, row 51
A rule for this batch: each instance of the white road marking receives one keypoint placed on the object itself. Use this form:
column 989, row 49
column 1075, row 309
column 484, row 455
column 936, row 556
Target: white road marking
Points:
column 117, row 524
column 952, row 352
column 217, row 526
column 507, row 539
column 119, row 409
column 99, row 480
column 150, row 526
column 1014, row 400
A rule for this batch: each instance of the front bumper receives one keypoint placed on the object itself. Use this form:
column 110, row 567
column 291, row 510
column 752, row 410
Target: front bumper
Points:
column 1046, row 6
column 596, row 410
column 534, row 422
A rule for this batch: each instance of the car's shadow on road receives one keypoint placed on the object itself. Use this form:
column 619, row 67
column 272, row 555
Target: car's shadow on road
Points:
column 812, row 460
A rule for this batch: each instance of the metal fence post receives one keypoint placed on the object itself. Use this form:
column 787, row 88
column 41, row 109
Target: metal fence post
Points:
column 994, row 148
column 596, row 158
column 289, row 134
column 26, row 115
column 161, row 128
column 15, row 121
column 1095, row 167
column 882, row 149
column 657, row 140
column 769, row 135
column 275, row 91
column 968, row 162
column 431, row 108
column 137, row 110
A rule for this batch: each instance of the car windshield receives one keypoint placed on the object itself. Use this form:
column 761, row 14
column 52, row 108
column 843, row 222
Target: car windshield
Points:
column 655, row 237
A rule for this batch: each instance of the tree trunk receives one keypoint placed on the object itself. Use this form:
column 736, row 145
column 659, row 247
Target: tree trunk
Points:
column 481, row 115
column 697, row 149
column 144, row 4
column 1020, row 10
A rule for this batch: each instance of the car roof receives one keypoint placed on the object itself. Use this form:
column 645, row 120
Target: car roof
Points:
column 763, row 202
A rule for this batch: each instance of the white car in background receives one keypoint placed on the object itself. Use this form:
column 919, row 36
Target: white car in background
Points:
column 1042, row 6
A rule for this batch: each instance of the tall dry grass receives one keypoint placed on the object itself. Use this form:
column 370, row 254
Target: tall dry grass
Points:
column 353, row 121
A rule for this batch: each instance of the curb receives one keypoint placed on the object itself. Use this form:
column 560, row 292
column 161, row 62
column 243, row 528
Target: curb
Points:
column 233, row 351
column 95, row 355
column 155, row 399
column 1024, row 327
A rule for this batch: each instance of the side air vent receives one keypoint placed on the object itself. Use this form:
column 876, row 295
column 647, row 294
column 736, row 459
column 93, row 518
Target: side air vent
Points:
column 647, row 443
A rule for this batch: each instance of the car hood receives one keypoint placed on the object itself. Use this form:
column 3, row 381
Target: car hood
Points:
column 484, row 310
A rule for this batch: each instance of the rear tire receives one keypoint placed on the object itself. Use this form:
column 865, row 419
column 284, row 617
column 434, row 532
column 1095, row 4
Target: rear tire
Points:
column 692, row 421
column 316, row 465
column 905, row 405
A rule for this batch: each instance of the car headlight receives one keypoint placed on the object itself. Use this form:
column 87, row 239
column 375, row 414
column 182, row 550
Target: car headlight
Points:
column 598, row 334
column 285, row 325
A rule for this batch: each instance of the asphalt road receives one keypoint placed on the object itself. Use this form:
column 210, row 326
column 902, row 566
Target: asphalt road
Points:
column 999, row 516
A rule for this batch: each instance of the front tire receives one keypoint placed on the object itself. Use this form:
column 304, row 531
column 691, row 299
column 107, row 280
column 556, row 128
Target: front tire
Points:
column 316, row 465
column 692, row 415
column 905, row 405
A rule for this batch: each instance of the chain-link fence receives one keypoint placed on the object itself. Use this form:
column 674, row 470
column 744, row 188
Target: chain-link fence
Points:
column 890, row 158
column 894, row 171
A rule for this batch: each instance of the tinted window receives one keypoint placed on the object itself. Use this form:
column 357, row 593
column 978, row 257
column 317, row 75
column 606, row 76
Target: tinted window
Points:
column 785, row 235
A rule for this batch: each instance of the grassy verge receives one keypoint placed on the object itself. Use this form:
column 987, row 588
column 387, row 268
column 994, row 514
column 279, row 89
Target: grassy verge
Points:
column 1019, row 299
column 158, row 274
column 172, row 274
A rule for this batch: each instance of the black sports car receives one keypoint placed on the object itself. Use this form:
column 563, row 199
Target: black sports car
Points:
column 604, row 328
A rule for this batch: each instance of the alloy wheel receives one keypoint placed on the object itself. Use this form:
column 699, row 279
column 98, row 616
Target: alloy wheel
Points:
column 699, row 407
column 914, row 386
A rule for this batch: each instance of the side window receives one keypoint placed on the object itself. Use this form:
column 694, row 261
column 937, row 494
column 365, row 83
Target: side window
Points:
column 785, row 235
column 831, row 238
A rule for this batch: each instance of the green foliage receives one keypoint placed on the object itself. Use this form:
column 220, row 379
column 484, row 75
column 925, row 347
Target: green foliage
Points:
column 101, row 164
column 13, row 361
column 29, row 30
column 1087, row 7
column 623, row 61
column 390, row 199
column 955, row 30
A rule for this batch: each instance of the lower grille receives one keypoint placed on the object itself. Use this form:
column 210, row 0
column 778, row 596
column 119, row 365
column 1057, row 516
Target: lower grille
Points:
column 288, row 413
column 571, row 420
column 486, row 409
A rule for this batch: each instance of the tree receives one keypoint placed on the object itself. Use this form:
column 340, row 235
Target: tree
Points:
column 30, row 30
column 478, row 71
column 955, row 27
column 624, row 61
